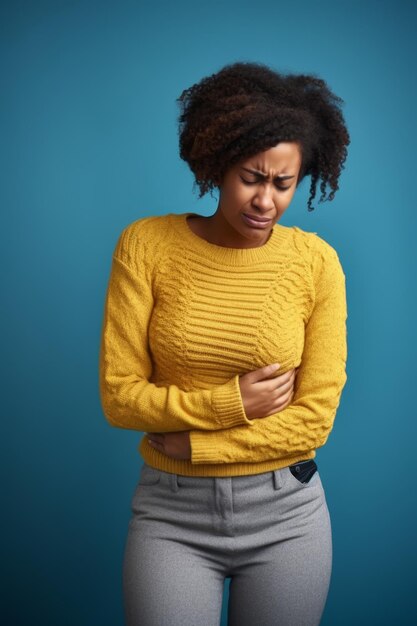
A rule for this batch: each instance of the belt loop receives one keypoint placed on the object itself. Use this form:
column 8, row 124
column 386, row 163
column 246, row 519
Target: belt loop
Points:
column 277, row 479
column 173, row 482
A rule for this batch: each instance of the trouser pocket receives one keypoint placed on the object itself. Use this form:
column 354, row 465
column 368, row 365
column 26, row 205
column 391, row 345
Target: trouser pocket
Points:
column 303, row 471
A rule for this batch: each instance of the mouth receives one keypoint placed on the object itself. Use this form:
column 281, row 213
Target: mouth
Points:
column 256, row 222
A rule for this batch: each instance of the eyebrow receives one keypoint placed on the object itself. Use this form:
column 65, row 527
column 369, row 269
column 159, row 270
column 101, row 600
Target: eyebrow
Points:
column 264, row 175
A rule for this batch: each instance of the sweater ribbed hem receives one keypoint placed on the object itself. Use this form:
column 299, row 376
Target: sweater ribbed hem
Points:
column 158, row 460
column 227, row 402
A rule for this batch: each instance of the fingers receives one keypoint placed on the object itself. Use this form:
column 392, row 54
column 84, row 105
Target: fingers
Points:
column 285, row 392
column 283, row 382
column 156, row 437
column 267, row 396
column 263, row 372
column 282, row 403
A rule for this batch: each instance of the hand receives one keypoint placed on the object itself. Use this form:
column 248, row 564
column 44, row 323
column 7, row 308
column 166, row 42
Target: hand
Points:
column 262, row 395
column 176, row 445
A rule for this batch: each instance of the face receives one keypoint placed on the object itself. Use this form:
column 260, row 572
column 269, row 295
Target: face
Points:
column 255, row 193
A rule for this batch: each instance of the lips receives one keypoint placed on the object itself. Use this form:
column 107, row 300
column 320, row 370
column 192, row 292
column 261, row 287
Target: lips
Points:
column 258, row 219
column 255, row 222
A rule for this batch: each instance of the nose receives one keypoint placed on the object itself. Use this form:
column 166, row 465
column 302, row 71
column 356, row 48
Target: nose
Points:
column 263, row 198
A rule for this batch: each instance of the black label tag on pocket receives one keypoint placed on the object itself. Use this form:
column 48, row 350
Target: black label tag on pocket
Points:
column 304, row 471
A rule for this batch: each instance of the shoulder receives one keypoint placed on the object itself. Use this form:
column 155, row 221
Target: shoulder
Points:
column 142, row 231
column 141, row 238
column 317, row 251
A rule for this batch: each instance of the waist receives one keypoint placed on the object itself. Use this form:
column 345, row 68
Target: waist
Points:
column 160, row 461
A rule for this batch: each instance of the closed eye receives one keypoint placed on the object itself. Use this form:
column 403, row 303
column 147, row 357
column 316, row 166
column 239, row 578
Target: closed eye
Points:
column 247, row 182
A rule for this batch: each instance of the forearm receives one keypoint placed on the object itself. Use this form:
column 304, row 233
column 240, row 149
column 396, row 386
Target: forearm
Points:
column 303, row 426
column 140, row 405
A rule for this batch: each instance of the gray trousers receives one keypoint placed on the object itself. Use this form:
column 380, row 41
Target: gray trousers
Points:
column 269, row 533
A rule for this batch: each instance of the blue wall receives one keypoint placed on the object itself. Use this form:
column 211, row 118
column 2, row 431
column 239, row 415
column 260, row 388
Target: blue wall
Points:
column 89, row 144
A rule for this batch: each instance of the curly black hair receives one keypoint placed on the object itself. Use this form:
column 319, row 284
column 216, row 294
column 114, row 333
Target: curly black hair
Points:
column 247, row 108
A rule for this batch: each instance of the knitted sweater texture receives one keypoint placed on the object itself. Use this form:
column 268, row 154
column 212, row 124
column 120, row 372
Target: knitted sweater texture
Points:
column 184, row 318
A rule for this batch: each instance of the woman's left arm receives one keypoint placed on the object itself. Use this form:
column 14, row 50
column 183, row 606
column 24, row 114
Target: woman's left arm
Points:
column 306, row 423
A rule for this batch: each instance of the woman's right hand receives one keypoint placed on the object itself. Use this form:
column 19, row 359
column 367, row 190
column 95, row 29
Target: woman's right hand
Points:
column 262, row 395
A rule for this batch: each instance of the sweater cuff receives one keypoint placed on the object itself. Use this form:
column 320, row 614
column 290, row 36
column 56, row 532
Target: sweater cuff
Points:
column 228, row 405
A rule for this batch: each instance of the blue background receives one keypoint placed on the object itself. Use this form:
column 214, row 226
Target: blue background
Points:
column 89, row 144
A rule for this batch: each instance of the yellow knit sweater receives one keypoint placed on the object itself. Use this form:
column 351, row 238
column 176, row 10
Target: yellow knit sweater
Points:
column 183, row 318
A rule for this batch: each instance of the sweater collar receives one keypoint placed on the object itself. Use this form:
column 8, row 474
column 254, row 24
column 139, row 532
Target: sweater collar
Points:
column 233, row 256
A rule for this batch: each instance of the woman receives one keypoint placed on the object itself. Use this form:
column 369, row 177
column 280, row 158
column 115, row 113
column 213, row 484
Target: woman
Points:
column 224, row 340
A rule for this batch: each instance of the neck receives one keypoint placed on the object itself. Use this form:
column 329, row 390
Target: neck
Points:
column 221, row 233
